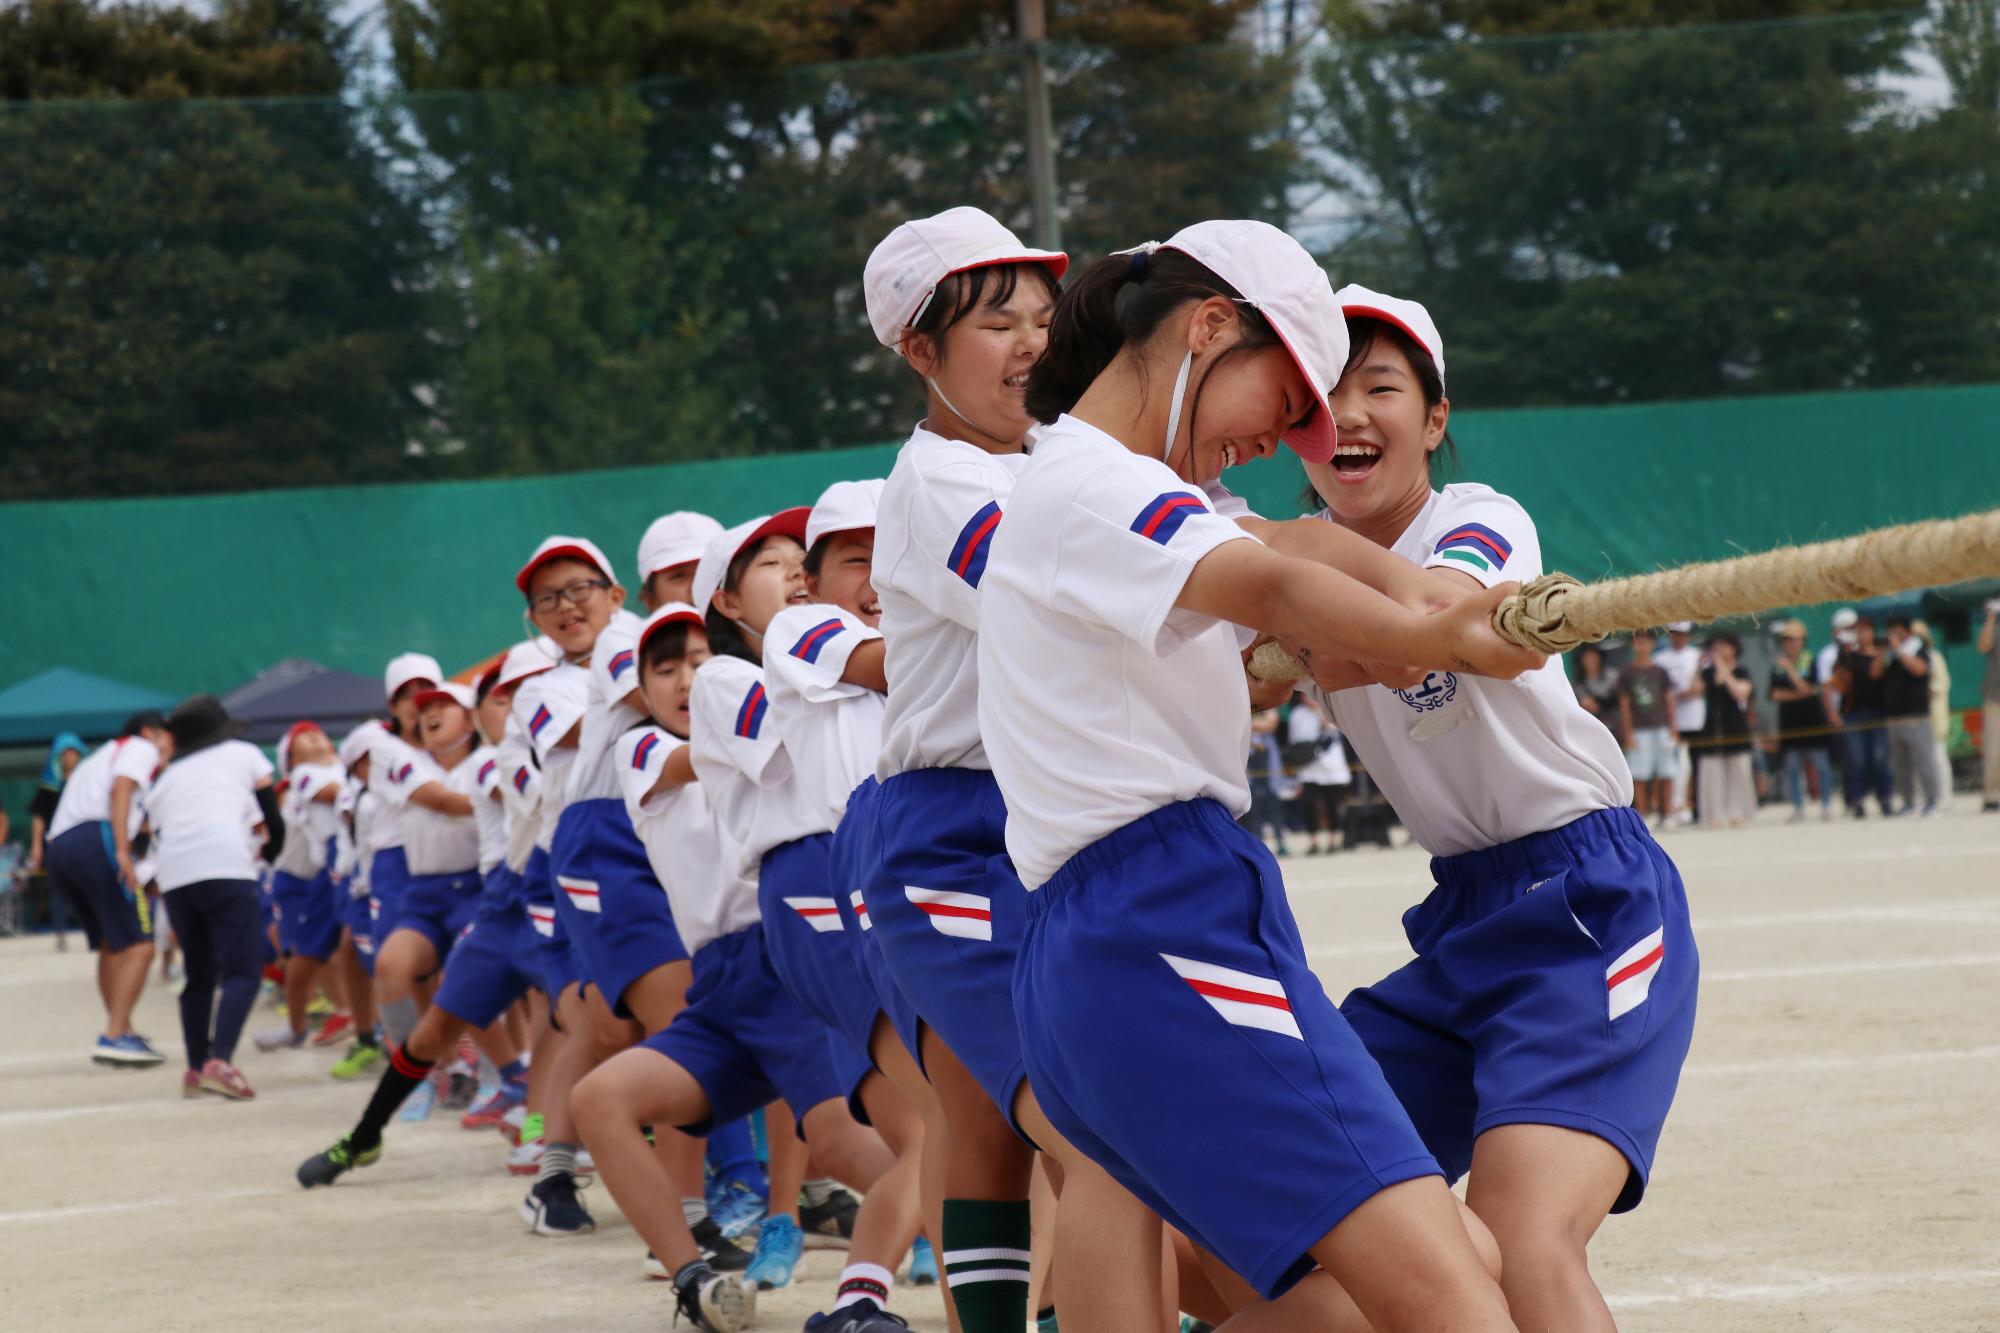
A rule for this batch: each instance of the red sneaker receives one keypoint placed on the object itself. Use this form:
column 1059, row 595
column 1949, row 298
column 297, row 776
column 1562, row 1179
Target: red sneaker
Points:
column 191, row 1083
column 224, row 1080
column 337, row 1029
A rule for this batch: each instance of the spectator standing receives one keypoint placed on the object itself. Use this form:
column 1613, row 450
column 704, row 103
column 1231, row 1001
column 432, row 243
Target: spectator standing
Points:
column 1904, row 673
column 1940, row 679
column 1267, row 791
column 65, row 753
column 1864, row 743
column 1725, row 789
column 1646, row 729
column 1824, row 660
column 1681, row 660
column 1989, row 730
column 1318, row 762
column 1597, row 686
column 1803, row 733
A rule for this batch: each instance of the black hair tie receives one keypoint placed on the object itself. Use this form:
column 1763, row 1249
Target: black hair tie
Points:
column 1136, row 270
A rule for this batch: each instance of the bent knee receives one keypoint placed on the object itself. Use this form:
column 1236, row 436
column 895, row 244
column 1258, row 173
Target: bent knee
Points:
column 1483, row 1240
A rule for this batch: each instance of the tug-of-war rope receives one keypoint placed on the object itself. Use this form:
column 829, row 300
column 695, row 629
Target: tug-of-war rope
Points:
column 1556, row 613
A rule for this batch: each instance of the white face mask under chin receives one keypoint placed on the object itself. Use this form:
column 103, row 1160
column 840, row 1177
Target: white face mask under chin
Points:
column 1174, row 412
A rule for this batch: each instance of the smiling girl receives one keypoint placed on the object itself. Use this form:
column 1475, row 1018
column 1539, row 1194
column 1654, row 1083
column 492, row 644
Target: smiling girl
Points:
column 1538, row 1036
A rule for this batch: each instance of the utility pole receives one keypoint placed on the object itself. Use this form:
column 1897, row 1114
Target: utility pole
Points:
column 1032, row 20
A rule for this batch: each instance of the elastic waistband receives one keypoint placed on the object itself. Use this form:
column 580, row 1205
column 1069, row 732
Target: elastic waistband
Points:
column 970, row 779
column 460, row 881
column 1539, row 851
column 1202, row 817
column 726, row 945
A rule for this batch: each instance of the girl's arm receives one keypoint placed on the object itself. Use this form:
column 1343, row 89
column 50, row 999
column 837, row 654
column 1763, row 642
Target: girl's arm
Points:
column 437, row 797
column 864, row 667
column 1323, row 609
column 675, row 773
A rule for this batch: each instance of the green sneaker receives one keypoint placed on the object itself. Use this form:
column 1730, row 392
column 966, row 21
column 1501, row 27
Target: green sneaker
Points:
column 531, row 1128
column 359, row 1062
column 326, row 1167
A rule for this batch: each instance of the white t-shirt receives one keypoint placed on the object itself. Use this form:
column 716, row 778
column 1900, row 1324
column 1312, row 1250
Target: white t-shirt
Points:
column 614, row 672
column 203, row 808
column 520, row 795
column 1101, row 701
column 1682, row 666
column 1329, row 767
column 1467, row 761
column 742, row 762
column 546, row 706
column 488, row 814
column 441, row 844
column 308, row 823
column 934, row 533
column 86, row 797
column 351, row 863
column 696, row 862
column 831, row 729
column 392, row 769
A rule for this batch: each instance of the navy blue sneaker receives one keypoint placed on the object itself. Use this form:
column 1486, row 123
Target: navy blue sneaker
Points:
column 130, row 1051
column 860, row 1317
column 552, row 1208
column 716, row 1302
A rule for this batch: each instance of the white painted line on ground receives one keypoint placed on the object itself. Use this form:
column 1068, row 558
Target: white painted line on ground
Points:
column 151, row 1105
column 139, row 1205
column 1810, row 1063
column 80, row 1057
column 1801, row 1286
column 1853, row 968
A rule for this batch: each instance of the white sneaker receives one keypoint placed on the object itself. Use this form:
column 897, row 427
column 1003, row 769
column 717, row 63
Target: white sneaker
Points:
column 526, row 1159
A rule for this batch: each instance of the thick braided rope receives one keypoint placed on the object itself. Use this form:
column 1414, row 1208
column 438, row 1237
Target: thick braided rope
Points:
column 1556, row 613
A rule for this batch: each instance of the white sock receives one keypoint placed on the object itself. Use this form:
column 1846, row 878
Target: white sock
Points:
column 864, row 1282
column 694, row 1210
column 816, row 1192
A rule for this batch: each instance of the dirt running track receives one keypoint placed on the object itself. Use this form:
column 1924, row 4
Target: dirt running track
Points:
column 1833, row 1162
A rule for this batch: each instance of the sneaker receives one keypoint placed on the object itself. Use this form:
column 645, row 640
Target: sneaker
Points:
column 717, row 1302
column 526, row 1158
column 130, row 1051
column 829, row 1225
column 338, row 1027
column 493, row 1106
column 863, row 1316
column 224, row 1080
column 511, row 1122
column 359, row 1062
column 1989, row 808
column 279, row 1039
column 923, row 1264
column 779, row 1244
column 723, row 1254
column 319, row 1007
column 323, row 1168
column 552, row 1208
column 191, row 1083
column 420, row 1102
column 586, row 1165
column 736, row 1208
column 460, row 1092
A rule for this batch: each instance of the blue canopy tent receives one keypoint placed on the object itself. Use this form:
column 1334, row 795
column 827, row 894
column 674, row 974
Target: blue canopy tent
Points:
column 63, row 699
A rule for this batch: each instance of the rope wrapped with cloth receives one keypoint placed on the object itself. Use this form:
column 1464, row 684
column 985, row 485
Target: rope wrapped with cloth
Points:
column 1556, row 613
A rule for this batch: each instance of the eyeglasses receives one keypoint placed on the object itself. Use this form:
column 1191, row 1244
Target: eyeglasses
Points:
column 576, row 594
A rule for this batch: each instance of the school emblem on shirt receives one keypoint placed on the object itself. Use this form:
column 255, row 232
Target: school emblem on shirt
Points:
column 1438, row 689
column 1475, row 546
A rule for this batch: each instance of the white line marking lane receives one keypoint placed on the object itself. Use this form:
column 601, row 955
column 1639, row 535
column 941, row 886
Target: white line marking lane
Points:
column 1800, row 1286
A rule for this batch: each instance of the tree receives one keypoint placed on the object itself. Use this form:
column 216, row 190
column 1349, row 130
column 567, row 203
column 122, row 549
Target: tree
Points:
column 201, row 295
column 1661, row 214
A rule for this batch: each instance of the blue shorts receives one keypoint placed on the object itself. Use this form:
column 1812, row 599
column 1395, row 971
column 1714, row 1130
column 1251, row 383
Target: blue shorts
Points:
column 495, row 963
column 85, row 869
column 538, row 895
column 856, row 858
column 308, row 915
column 948, row 912
column 616, row 913
column 358, row 911
column 1165, row 998
column 745, row 1039
column 1554, row 984
column 440, row 908
column 804, row 941
column 388, row 879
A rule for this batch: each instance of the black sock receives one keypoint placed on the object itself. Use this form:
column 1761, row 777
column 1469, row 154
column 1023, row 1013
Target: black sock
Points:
column 369, row 1038
column 402, row 1075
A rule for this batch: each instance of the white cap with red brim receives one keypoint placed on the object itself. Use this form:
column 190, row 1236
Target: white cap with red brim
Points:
column 674, row 539
column 1275, row 276
column 1357, row 302
column 724, row 547
column 354, row 747
column 406, row 667
column 904, row 271
column 564, row 548
column 673, row 613
column 525, row 659
column 451, row 691
column 845, row 506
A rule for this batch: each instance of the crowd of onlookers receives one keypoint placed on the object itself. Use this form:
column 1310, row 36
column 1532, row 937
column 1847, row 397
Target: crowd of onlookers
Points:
column 1863, row 718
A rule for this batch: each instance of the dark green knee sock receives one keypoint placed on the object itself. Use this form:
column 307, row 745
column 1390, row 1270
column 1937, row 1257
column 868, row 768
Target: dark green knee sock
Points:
column 985, row 1255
